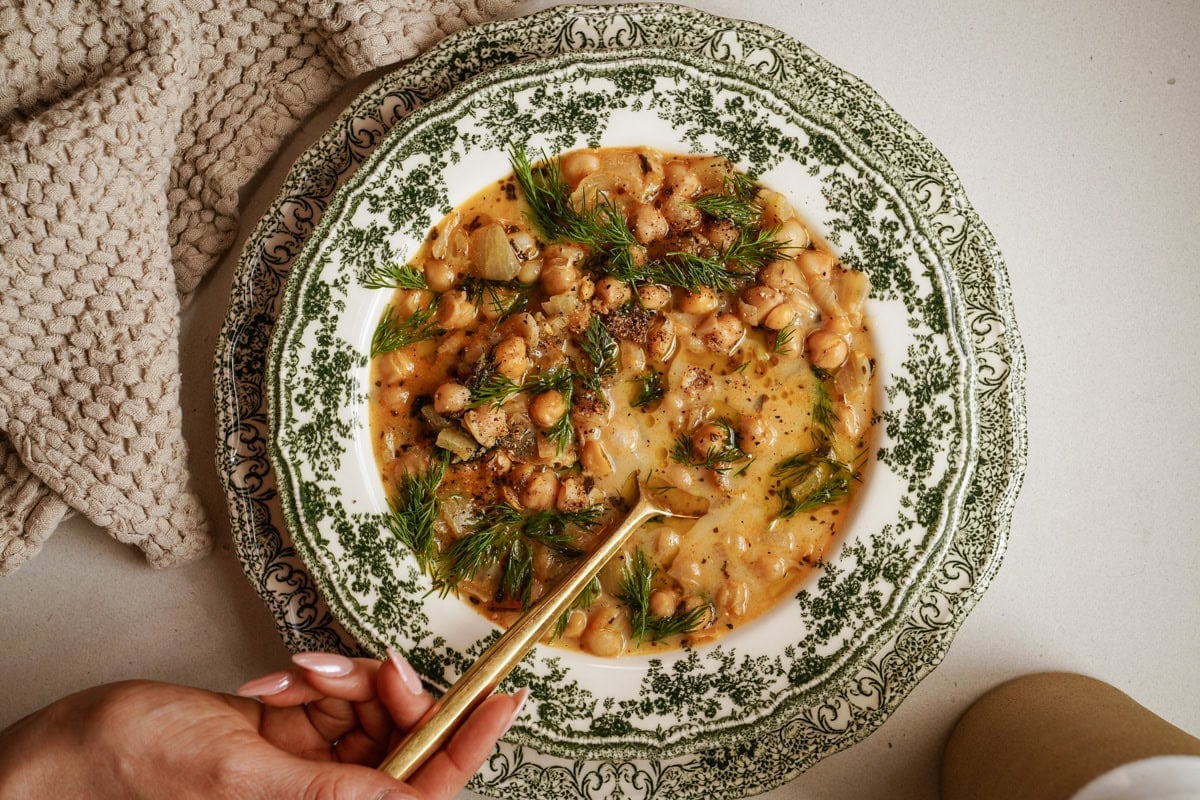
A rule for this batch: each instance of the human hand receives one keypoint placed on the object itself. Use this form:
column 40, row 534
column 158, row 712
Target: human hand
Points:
column 318, row 730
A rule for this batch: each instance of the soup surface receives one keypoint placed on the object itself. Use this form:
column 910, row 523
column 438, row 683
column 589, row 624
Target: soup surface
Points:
column 613, row 312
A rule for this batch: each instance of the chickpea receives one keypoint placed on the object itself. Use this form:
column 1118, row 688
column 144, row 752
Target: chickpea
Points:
column 612, row 292
column 450, row 398
column 607, row 632
column 455, row 310
column 565, row 253
column 660, row 342
column 755, row 434
column 523, row 243
column 654, row 296
column 721, row 333
column 633, row 357
column 558, row 276
column 680, row 213
column 520, row 473
column 398, row 366
column 578, row 165
column 540, row 491
column 547, row 408
column 649, row 225
column 776, row 208
column 594, row 460
column 486, row 423
column 576, row 622
column 663, row 602
column 827, row 350
column 770, row 567
column 414, row 300
column 734, row 598
column 708, row 438
column 666, row 544
column 499, row 464
column 686, row 570
column 815, row 264
column 781, row 316
column 721, row 233
column 586, row 288
column 571, row 495
column 782, row 274
column 440, row 275
column 510, row 357
column 792, row 234
column 756, row 302
column 394, row 396
column 680, row 180
column 702, row 301
column 524, row 325
column 530, row 271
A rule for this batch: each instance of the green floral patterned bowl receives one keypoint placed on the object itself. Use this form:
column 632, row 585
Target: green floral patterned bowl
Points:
column 921, row 545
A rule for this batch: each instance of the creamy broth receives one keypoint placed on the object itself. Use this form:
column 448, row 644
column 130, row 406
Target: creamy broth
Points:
column 527, row 376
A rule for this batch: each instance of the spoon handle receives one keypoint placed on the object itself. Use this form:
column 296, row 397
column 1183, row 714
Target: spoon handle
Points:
column 440, row 722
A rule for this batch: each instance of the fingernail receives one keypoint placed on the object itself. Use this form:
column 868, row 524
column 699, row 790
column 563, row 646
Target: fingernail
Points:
column 273, row 683
column 408, row 675
column 521, row 697
column 329, row 665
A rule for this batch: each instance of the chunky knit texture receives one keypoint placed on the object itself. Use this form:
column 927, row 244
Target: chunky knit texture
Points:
column 126, row 131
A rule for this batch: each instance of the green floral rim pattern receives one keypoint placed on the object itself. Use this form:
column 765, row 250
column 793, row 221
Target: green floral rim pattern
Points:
column 966, row 562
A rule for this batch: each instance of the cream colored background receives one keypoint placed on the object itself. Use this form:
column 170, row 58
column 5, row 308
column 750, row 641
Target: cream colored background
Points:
column 1074, row 129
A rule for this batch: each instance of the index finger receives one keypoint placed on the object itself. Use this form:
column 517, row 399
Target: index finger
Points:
column 449, row 769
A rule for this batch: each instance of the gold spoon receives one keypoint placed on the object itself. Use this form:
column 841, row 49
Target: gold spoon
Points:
column 436, row 727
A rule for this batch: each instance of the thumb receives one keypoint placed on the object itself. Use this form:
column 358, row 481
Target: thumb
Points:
column 299, row 779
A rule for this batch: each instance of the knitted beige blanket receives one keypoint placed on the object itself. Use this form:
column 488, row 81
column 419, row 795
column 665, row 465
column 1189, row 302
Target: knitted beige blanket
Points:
column 126, row 130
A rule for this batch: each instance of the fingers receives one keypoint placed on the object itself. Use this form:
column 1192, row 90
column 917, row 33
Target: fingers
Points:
column 290, row 778
column 445, row 774
column 316, row 676
column 401, row 692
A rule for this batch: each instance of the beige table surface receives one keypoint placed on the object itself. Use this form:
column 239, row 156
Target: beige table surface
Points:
column 1075, row 128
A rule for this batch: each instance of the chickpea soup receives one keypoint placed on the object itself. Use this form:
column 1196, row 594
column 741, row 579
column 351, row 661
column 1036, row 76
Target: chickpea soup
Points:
column 606, row 313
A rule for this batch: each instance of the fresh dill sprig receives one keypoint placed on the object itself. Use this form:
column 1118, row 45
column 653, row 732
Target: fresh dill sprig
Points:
column 691, row 271
column 584, row 600
column 393, row 333
column 650, row 389
column 741, row 186
column 505, row 535
column 394, row 276
column 725, row 271
column 811, row 480
column 637, row 582
column 823, row 416
column 718, row 458
column 489, row 386
column 734, row 205
column 546, row 194
column 561, row 379
column 783, row 338
column 753, row 249
column 505, row 298
column 413, row 511
column 598, row 223
column 601, row 349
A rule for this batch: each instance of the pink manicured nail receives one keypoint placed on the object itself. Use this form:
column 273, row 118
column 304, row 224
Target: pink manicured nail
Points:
column 408, row 675
column 521, row 697
column 329, row 665
column 274, row 683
